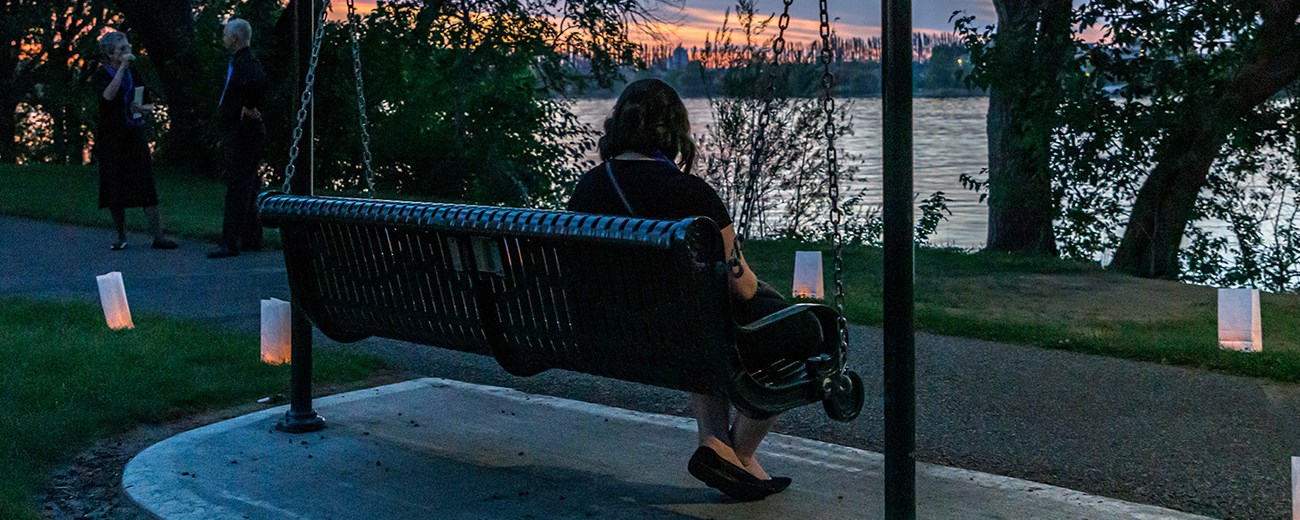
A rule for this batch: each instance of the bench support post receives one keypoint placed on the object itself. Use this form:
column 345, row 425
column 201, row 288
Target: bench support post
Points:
column 300, row 418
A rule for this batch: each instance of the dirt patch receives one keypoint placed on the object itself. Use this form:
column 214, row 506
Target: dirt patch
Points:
column 90, row 486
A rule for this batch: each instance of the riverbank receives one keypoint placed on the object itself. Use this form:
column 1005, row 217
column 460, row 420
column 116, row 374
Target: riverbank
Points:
column 1043, row 302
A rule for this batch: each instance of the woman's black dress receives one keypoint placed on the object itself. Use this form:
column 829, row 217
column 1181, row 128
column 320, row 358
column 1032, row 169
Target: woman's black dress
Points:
column 659, row 190
column 125, row 167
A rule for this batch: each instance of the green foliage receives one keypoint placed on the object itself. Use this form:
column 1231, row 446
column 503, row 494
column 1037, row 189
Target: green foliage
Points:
column 1154, row 70
column 68, row 380
column 459, row 107
column 52, row 49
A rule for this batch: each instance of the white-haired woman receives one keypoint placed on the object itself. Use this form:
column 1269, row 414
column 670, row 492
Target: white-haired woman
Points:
column 125, row 166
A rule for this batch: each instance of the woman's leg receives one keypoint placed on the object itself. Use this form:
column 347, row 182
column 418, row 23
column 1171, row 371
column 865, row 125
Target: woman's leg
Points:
column 746, row 435
column 713, row 416
column 119, row 222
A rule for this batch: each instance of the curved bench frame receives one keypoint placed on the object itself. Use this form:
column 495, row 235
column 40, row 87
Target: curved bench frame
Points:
column 638, row 300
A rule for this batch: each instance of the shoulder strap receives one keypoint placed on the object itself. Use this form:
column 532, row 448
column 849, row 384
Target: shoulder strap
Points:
column 617, row 189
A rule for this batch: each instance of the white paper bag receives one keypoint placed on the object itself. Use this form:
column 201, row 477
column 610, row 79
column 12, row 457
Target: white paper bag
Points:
column 112, row 296
column 1295, row 488
column 1239, row 325
column 808, row 275
column 276, row 327
column 138, row 100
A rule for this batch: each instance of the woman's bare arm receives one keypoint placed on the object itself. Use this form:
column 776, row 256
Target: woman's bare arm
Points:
column 746, row 285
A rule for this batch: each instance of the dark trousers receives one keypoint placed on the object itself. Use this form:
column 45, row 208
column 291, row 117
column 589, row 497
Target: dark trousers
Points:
column 798, row 337
column 241, row 151
column 241, row 229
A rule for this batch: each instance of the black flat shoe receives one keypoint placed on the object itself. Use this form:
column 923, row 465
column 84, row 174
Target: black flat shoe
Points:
column 118, row 246
column 731, row 479
column 165, row 244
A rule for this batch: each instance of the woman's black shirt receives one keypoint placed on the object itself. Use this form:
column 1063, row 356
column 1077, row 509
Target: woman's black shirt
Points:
column 654, row 189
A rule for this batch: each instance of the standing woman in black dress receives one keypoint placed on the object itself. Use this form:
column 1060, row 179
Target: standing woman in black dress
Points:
column 125, row 167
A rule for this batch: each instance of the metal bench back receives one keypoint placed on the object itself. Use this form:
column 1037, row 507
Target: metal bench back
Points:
column 632, row 299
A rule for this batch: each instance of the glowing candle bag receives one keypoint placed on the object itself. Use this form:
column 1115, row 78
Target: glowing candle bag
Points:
column 808, row 275
column 276, row 327
column 1295, row 488
column 1239, row 325
column 112, row 296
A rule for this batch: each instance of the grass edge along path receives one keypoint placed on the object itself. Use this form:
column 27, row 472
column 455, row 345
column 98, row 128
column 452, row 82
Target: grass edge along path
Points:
column 68, row 380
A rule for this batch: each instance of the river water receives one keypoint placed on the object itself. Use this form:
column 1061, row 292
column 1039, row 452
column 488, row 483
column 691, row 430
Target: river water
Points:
column 949, row 137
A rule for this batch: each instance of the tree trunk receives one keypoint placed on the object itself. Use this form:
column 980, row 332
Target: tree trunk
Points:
column 1167, row 199
column 1033, row 40
column 167, row 28
column 8, row 117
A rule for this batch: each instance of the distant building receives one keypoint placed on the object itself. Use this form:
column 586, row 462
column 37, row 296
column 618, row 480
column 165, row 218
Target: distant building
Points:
column 679, row 59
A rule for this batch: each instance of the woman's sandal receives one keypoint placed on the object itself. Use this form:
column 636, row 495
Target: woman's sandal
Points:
column 715, row 471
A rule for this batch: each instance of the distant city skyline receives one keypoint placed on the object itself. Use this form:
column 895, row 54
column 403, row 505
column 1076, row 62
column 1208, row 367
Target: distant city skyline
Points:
column 698, row 19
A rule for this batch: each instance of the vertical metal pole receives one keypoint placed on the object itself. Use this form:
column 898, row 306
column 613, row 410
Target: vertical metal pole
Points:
column 900, row 338
column 301, row 417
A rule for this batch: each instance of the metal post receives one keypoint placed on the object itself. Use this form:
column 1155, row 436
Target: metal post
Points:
column 900, row 338
column 301, row 417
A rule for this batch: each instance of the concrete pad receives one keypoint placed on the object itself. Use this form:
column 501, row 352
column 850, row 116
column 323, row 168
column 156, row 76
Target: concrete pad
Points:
column 436, row 448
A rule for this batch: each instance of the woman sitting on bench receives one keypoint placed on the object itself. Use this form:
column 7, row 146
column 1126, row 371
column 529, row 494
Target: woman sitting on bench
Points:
column 648, row 156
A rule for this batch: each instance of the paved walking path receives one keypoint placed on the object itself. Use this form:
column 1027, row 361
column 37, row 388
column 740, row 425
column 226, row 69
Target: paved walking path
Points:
column 1205, row 443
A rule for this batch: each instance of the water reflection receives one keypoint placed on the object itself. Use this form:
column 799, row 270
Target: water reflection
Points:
column 949, row 139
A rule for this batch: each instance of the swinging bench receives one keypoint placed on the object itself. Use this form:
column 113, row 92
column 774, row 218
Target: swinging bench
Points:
column 639, row 300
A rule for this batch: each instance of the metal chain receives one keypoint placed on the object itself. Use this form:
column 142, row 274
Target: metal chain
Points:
column 833, row 173
column 305, row 100
column 759, row 149
column 355, row 30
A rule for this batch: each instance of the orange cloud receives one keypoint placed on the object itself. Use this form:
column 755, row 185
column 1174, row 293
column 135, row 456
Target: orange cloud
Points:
column 693, row 25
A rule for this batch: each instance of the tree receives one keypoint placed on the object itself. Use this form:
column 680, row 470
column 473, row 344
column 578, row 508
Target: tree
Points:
column 167, row 30
column 16, row 61
column 1020, row 65
column 1221, row 60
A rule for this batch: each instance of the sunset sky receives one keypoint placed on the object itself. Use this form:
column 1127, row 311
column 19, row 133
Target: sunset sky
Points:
column 856, row 18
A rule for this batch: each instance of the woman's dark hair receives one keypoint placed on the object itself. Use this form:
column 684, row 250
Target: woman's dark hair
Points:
column 649, row 118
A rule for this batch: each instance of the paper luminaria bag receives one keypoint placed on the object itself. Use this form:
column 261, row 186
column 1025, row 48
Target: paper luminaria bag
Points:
column 808, row 275
column 112, row 296
column 1295, row 488
column 276, row 331
column 1239, row 324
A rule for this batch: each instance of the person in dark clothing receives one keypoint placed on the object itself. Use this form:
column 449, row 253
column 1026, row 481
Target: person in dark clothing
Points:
column 242, row 137
column 648, row 156
column 125, row 167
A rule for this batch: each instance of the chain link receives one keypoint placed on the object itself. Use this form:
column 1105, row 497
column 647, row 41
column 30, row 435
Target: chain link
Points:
column 833, row 174
column 759, row 149
column 305, row 101
column 354, row 27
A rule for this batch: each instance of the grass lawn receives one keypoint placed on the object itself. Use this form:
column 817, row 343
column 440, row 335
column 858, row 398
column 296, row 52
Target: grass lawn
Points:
column 67, row 380
column 190, row 204
column 1044, row 302
column 1057, row 304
